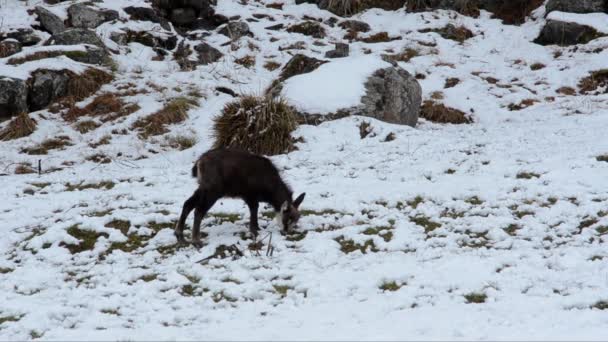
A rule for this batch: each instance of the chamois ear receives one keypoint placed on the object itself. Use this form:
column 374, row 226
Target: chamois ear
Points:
column 299, row 200
column 284, row 207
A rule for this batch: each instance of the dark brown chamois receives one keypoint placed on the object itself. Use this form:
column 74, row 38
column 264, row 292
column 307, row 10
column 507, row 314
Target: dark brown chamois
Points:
column 234, row 173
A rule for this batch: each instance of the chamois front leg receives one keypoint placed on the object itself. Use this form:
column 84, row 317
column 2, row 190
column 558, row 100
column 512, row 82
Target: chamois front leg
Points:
column 206, row 202
column 254, row 227
column 189, row 205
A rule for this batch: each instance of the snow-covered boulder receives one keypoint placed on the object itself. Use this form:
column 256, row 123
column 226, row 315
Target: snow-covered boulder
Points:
column 76, row 36
column 235, row 30
column 572, row 28
column 578, row 6
column 13, row 97
column 49, row 20
column 47, row 86
column 25, row 36
column 361, row 85
column 84, row 16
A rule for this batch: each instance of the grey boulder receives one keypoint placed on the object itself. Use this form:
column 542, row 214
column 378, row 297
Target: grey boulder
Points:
column 563, row 33
column 84, row 16
column 76, row 36
column 49, row 20
column 577, row 6
column 46, row 87
column 13, row 97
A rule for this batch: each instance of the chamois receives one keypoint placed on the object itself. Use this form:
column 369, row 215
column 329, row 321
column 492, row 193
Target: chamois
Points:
column 234, row 173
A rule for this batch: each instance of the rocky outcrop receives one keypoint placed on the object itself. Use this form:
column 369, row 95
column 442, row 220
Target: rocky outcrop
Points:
column 348, row 8
column 391, row 95
column 355, row 25
column 190, row 14
column 85, row 16
column 207, row 54
column 578, row 6
column 147, row 14
column 340, row 51
column 46, row 86
column 49, row 20
column 162, row 40
column 563, row 33
column 25, row 36
column 13, row 97
column 235, row 30
column 308, row 28
column 9, row 47
column 76, row 36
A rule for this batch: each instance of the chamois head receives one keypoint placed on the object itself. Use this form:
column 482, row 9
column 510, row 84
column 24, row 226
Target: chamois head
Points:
column 289, row 214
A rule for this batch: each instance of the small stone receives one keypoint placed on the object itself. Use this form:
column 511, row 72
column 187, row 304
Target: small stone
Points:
column 207, row 54
column 340, row 51
column 235, row 30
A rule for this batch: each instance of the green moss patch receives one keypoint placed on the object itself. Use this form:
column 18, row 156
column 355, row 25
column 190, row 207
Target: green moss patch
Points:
column 527, row 175
column 107, row 185
column 475, row 297
column 348, row 246
column 425, row 223
column 121, row 225
column 391, row 286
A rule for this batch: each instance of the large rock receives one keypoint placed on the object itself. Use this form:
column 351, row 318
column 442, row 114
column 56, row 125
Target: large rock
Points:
column 25, row 36
column 147, row 14
column 9, row 47
column 196, row 4
column 13, row 97
column 163, row 40
column 563, row 33
column 46, row 86
column 299, row 64
column 84, row 16
column 355, row 25
column 183, row 16
column 577, row 6
column 207, row 54
column 308, row 28
column 49, row 20
column 392, row 95
column 348, row 8
column 76, row 36
column 235, row 30
column 510, row 11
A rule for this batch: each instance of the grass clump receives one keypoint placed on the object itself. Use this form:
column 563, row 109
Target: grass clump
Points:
column 475, row 297
column 271, row 65
column 383, row 232
column 44, row 147
column 602, row 158
column 522, row 105
column 83, row 85
column 439, row 113
column 86, row 126
column 99, row 158
column 456, row 33
column 390, row 286
column 182, row 142
column 308, row 28
column 403, row 56
column 106, row 106
column 21, row 126
column 380, row 37
column 425, row 223
column 596, row 83
column 348, row 246
column 12, row 318
column 282, row 289
column 107, row 185
column 537, row 66
column 247, row 61
column 512, row 229
column 121, row 225
column 261, row 125
column 174, row 111
column 601, row 305
column 87, row 238
column 527, row 175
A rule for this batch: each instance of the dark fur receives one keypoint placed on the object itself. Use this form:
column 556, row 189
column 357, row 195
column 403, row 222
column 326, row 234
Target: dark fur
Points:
column 238, row 174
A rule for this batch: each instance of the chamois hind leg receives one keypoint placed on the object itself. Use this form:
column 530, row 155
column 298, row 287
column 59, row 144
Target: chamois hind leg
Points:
column 206, row 201
column 189, row 205
column 254, row 227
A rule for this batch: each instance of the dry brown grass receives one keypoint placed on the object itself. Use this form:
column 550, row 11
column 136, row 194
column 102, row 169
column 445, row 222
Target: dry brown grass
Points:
column 464, row 7
column 258, row 124
column 569, row 91
column 271, row 65
column 380, row 37
column 74, row 55
column 23, row 169
column 537, row 66
column 439, row 113
column 522, row 105
column 107, row 107
column 86, row 126
column 57, row 143
column 247, row 61
column 403, row 56
column 83, row 85
column 182, row 142
column 456, row 33
column 174, row 111
column 596, row 79
column 21, row 126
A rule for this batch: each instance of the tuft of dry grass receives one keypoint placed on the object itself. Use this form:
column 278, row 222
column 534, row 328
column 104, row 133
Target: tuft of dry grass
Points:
column 456, row 33
column 107, row 106
column 569, row 91
column 596, row 79
column 271, row 65
column 380, row 37
column 259, row 124
column 174, row 111
column 21, row 126
column 86, row 126
column 23, row 169
column 537, row 66
column 83, row 85
column 44, row 147
column 403, row 56
column 182, row 142
column 247, row 61
column 439, row 113
column 522, row 105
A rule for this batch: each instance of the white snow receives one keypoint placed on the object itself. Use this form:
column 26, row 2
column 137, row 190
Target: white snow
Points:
column 599, row 21
column 335, row 85
column 513, row 206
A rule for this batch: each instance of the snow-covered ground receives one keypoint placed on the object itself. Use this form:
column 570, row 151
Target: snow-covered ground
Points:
column 398, row 240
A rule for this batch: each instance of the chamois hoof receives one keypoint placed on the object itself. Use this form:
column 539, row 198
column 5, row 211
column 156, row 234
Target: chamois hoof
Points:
column 197, row 243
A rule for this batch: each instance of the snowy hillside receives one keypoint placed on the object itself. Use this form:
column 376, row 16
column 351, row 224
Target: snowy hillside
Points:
column 494, row 227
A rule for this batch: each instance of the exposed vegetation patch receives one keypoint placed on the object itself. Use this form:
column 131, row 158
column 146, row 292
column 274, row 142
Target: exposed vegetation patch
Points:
column 391, row 286
column 596, row 83
column 348, row 246
column 380, row 37
column 282, row 289
column 456, row 33
column 182, row 142
column 365, row 129
column 83, row 85
column 439, row 113
column 602, row 158
column 87, row 238
column 122, row 225
column 384, row 232
column 425, row 223
column 522, row 105
column 601, row 305
column 512, row 229
column 308, row 28
column 475, row 297
column 5, row 270
column 537, row 66
column 86, row 126
column 44, row 147
column 569, row 91
column 174, row 111
column 21, row 126
column 271, row 65
column 260, row 125
column 12, row 318
column 247, row 61
column 527, row 175
column 99, row 158
column 107, row 185
column 107, row 107
column 404, row 56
